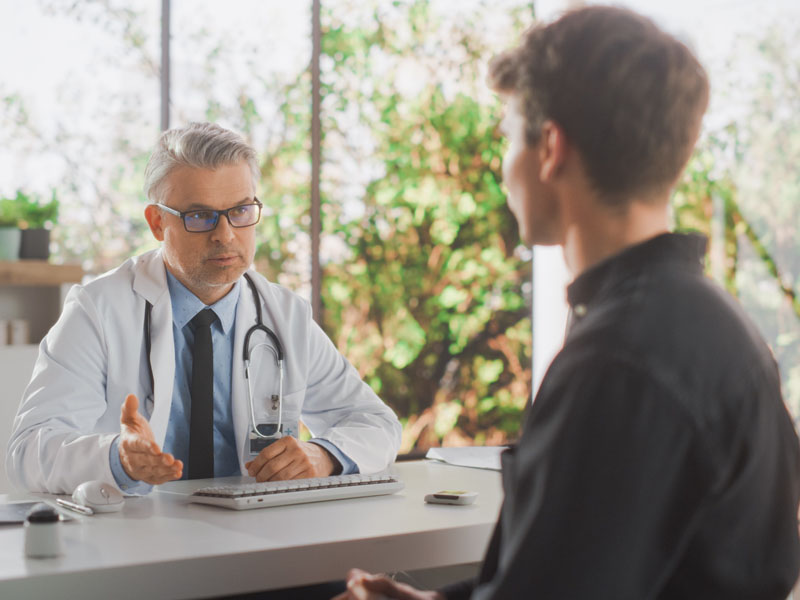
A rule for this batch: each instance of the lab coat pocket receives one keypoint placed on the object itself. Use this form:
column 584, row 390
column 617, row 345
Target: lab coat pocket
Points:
column 292, row 404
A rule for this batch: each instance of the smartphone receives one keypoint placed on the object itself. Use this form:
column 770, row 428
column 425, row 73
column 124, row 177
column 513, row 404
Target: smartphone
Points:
column 451, row 497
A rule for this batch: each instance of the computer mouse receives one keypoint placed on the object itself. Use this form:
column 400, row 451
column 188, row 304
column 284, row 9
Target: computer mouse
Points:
column 99, row 496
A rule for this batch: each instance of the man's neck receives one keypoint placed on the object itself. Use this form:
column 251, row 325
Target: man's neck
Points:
column 600, row 231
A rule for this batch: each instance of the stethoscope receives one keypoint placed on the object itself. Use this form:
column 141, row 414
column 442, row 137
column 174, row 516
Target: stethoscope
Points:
column 276, row 348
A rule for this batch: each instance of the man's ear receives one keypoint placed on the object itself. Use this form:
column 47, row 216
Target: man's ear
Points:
column 155, row 218
column 552, row 150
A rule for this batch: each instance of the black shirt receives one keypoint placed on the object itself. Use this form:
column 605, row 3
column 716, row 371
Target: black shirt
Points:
column 658, row 459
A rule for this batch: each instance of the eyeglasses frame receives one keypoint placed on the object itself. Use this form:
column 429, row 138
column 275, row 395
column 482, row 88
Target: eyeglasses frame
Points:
column 219, row 213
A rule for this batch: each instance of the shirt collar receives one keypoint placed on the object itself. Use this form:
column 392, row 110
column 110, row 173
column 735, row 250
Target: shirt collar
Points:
column 185, row 305
column 686, row 250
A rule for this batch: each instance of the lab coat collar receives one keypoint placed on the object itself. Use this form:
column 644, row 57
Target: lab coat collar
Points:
column 150, row 282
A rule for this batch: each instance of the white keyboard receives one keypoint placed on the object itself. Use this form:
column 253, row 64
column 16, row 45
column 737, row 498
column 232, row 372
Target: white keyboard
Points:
column 296, row 491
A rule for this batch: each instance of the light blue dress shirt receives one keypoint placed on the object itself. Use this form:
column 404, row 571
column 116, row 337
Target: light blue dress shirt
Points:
column 185, row 305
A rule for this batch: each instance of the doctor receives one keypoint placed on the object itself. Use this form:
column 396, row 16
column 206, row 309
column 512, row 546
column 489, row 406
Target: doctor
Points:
column 122, row 388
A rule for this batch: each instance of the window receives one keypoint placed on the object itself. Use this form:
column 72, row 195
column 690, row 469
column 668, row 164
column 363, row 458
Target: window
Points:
column 424, row 286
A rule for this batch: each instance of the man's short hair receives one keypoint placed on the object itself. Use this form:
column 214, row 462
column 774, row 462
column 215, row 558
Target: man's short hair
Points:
column 628, row 96
column 197, row 145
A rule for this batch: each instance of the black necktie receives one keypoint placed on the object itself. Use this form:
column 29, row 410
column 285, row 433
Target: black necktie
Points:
column 201, row 427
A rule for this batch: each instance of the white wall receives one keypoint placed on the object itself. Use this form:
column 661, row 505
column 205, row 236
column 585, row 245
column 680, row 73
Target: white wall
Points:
column 550, row 279
column 16, row 366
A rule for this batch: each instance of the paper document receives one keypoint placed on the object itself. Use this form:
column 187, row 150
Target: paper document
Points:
column 481, row 457
column 15, row 512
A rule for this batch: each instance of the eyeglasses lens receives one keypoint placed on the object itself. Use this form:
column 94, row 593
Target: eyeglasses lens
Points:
column 201, row 220
column 242, row 216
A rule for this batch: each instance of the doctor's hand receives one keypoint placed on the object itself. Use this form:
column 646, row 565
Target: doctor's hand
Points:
column 139, row 454
column 365, row 586
column 289, row 458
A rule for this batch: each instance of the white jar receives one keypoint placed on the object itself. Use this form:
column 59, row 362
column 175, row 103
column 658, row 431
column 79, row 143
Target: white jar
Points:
column 42, row 532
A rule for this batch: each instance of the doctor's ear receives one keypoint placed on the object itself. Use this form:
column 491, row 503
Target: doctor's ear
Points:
column 155, row 219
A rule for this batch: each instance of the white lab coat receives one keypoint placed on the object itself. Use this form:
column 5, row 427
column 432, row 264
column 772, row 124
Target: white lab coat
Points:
column 94, row 356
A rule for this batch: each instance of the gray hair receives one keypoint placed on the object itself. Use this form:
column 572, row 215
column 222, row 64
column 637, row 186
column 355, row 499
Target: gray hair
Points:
column 198, row 145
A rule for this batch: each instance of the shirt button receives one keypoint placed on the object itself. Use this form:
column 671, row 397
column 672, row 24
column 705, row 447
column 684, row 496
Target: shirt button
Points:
column 580, row 310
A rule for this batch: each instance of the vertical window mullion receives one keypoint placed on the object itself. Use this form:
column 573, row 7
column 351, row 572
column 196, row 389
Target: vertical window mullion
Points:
column 316, row 158
column 165, row 42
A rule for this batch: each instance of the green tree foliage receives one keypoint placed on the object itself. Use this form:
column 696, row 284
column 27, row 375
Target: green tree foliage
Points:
column 742, row 189
column 422, row 288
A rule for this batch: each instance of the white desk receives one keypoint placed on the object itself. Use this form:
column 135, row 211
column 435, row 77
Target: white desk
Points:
column 157, row 547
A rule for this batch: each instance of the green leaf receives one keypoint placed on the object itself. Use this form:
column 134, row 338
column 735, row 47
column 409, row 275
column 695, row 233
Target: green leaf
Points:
column 489, row 371
column 452, row 296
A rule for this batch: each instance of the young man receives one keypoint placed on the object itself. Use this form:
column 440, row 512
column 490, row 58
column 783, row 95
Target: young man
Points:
column 134, row 383
column 658, row 459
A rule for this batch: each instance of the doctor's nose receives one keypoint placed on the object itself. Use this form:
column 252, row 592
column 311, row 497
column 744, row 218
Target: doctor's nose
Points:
column 224, row 231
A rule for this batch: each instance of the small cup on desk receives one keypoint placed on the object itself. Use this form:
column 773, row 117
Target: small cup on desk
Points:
column 18, row 332
column 42, row 532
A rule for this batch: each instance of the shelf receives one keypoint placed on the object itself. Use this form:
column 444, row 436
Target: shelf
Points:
column 38, row 273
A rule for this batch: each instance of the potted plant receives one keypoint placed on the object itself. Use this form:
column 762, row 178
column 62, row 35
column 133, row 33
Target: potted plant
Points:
column 9, row 229
column 35, row 220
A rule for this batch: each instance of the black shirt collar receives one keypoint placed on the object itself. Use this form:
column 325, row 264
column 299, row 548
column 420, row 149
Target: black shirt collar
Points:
column 685, row 249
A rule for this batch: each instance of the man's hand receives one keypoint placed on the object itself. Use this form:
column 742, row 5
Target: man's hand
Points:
column 290, row 459
column 139, row 454
column 365, row 586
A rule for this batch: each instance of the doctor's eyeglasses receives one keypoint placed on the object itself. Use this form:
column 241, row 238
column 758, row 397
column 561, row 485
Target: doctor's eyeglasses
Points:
column 199, row 221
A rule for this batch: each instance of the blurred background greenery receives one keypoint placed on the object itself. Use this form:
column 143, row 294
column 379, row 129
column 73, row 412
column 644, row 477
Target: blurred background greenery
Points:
column 425, row 287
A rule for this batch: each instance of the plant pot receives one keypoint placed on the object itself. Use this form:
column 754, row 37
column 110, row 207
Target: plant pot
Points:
column 35, row 244
column 9, row 243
